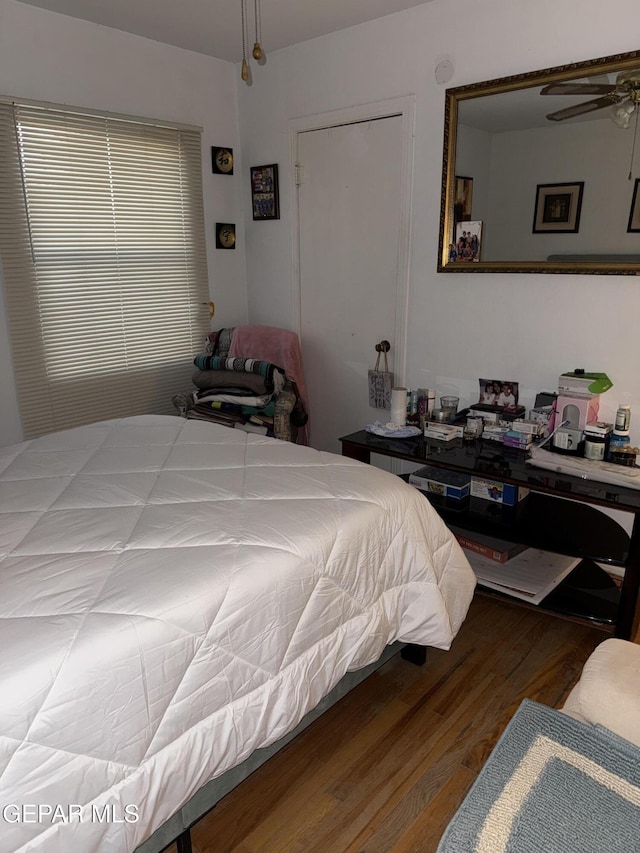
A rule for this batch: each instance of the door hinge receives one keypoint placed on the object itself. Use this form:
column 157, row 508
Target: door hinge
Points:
column 298, row 174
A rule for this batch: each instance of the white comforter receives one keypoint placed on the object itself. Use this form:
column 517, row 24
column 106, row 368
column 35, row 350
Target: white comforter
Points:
column 175, row 594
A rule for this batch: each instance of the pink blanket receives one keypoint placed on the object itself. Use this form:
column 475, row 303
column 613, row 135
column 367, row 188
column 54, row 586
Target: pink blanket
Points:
column 278, row 346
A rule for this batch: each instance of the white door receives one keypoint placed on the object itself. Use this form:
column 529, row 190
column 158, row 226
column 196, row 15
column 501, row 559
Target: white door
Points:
column 349, row 207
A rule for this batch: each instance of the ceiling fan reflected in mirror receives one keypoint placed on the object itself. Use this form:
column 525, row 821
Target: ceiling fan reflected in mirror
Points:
column 623, row 96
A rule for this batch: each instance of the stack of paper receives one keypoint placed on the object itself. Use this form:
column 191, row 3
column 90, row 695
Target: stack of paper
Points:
column 530, row 575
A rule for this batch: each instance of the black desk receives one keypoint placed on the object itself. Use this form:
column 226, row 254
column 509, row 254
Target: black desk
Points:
column 543, row 520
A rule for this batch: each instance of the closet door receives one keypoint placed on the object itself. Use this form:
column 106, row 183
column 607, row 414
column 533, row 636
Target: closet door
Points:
column 349, row 205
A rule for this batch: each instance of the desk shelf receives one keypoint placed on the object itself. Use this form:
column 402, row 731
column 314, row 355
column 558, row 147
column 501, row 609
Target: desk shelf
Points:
column 553, row 524
column 560, row 514
column 548, row 523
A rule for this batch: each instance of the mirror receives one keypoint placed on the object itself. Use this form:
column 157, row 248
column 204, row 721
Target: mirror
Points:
column 541, row 171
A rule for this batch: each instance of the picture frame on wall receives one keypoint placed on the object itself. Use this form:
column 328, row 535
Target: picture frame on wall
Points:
column 463, row 198
column 557, row 208
column 634, row 212
column 225, row 235
column 265, row 200
column 221, row 160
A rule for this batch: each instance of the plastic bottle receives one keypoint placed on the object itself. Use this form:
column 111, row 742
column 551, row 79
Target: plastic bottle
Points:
column 623, row 418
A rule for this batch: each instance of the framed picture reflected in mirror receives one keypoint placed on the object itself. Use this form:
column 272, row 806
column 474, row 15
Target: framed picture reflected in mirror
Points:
column 558, row 208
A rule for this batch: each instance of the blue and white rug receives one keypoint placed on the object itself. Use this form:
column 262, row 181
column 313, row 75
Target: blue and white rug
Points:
column 551, row 785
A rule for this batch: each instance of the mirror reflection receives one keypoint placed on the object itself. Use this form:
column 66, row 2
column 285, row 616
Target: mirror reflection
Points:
column 542, row 170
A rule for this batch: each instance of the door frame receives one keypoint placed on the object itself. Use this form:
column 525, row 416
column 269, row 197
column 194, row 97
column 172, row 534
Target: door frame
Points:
column 404, row 107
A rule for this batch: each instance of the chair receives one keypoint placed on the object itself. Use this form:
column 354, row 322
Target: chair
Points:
column 256, row 384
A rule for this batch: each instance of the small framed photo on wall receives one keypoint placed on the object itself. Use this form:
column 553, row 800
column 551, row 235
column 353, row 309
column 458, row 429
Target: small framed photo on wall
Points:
column 462, row 203
column 634, row 213
column 264, row 192
column 558, row 208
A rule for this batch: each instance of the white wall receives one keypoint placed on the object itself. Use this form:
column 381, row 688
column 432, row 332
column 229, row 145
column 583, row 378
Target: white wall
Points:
column 49, row 57
column 529, row 327
column 596, row 152
column 525, row 327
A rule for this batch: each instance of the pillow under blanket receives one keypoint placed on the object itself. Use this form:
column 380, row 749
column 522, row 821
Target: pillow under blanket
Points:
column 252, row 382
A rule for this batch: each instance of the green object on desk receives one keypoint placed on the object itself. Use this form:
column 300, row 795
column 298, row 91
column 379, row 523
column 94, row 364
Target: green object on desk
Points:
column 599, row 384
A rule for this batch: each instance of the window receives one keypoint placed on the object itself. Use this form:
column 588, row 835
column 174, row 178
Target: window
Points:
column 104, row 264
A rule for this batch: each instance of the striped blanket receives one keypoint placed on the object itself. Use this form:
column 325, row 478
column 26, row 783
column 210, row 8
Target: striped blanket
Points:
column 273, row 375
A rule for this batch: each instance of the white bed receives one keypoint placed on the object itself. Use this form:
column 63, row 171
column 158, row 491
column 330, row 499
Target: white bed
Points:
column 176, row 594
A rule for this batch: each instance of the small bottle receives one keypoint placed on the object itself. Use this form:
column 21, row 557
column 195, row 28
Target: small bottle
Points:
column 623, row 418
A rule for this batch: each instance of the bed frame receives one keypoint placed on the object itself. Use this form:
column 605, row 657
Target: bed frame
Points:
column 177, row 830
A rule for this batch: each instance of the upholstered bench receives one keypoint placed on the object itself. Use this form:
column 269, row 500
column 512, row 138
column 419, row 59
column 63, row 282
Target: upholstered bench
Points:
column 608, row 692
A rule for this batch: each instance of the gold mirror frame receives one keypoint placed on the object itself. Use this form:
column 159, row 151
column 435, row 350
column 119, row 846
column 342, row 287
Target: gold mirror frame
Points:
column 454, row 96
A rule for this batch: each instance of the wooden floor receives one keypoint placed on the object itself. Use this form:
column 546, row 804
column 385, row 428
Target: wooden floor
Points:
column 384, row 770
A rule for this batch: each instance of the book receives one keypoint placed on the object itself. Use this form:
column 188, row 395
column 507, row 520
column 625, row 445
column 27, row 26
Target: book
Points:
column 498, row 550
column 529, row 576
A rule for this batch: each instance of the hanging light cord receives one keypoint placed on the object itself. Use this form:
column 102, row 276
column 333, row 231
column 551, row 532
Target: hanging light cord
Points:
column 244, row 28
column 257, row 52
column 244, row 74
column 258, row 23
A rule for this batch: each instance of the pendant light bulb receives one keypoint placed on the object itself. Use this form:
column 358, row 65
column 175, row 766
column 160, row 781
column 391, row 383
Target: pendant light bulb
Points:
column 244, row 73
column 257, row 52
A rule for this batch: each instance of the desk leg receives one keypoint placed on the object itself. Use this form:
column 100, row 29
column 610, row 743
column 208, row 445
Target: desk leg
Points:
column 353, row 451
column 627, row 622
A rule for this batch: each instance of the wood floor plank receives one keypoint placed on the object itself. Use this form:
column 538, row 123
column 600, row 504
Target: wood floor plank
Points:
column 398, row 782
column 385, row 769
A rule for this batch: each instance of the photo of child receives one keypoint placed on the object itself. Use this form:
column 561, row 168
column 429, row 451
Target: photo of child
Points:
column 498, row 392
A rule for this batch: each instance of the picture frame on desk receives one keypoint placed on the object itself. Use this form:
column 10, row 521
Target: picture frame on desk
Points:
column 467, row 246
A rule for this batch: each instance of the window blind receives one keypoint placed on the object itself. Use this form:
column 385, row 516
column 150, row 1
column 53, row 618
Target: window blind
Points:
column 104, row 263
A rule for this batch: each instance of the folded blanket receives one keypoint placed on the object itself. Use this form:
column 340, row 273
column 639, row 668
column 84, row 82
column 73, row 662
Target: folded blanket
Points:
column 207, row 397
column 271, row 372
column 251, row 383
column 218, row 343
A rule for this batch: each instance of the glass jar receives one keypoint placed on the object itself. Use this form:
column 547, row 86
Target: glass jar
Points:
column 595, row 446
